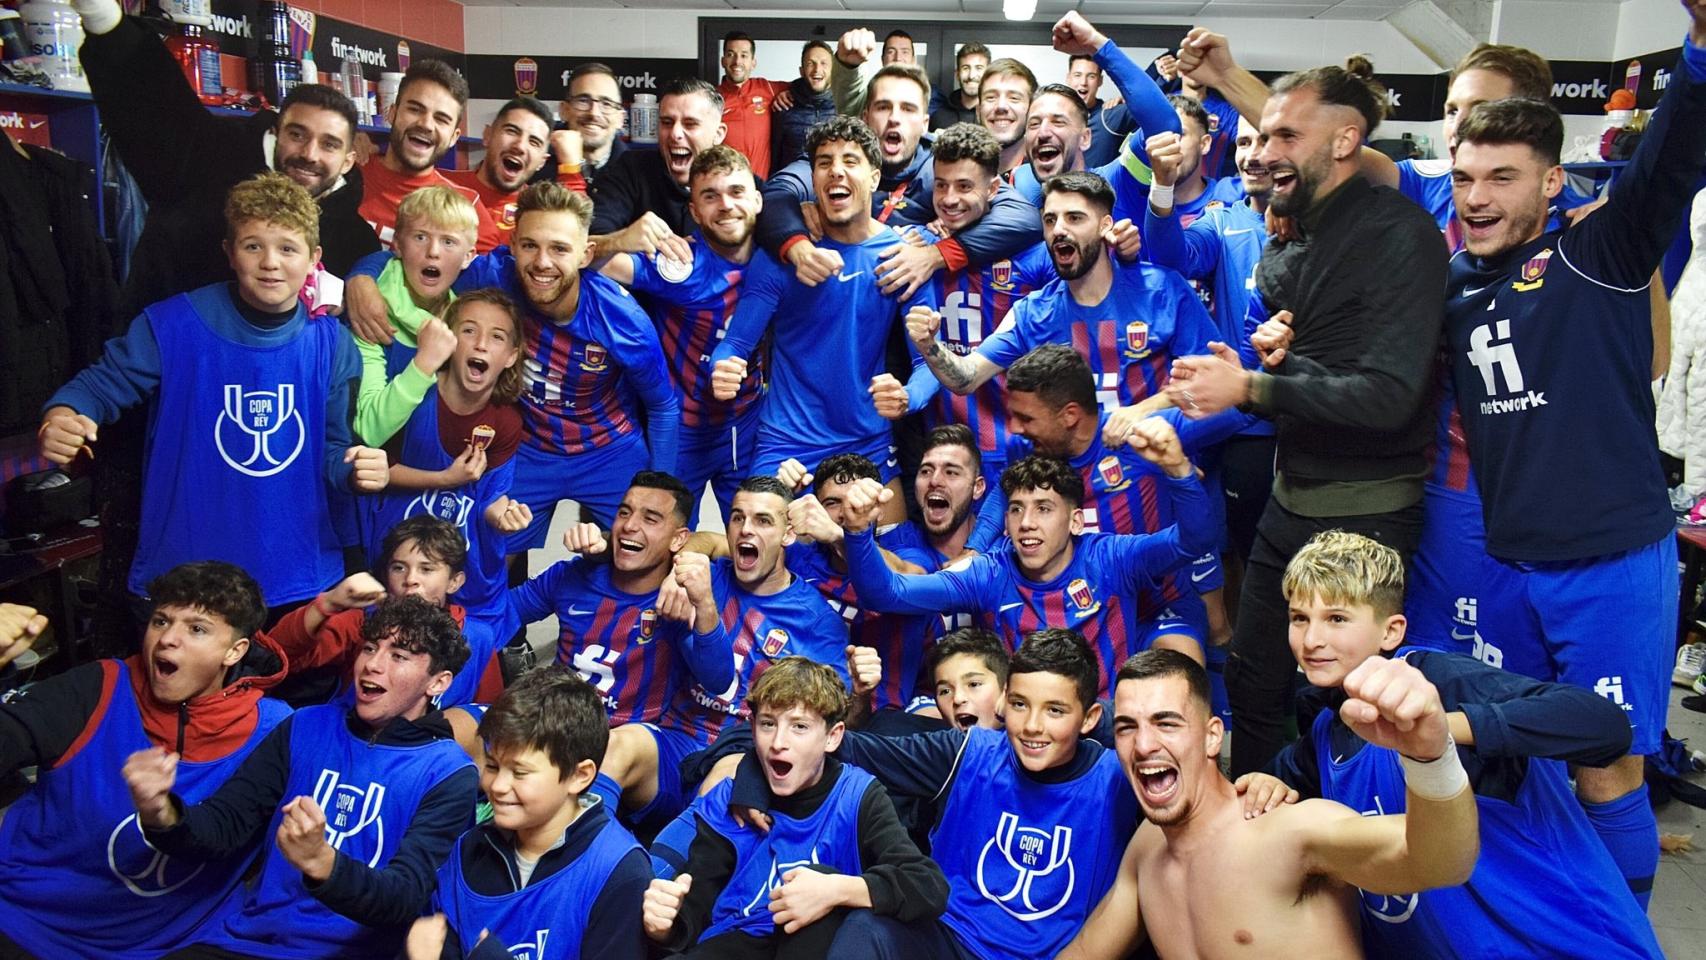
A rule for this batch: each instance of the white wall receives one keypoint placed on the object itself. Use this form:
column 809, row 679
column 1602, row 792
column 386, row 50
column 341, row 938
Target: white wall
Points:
column 1559, row 30
column 1644, row 26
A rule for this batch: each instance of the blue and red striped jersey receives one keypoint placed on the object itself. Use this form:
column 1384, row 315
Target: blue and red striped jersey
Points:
column 692, row 305
column 901, row 640
column 580, row 377
column 794, row 621
column 1149, row 316
column 974, row 303
column 616, row 641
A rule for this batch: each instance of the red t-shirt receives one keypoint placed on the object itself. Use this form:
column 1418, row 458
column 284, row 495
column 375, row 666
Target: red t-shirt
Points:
column 382, row 189
column 455, row 431
column 501, row 205
column 746, row 112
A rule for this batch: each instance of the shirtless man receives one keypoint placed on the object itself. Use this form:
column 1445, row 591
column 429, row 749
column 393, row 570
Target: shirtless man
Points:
column 1214, row 884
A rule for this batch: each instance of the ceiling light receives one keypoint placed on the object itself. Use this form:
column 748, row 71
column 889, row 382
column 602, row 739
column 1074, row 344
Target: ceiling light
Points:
column 1018, row 9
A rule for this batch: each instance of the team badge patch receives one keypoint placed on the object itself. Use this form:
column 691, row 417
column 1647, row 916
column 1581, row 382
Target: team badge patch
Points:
column 526, row 76
column 648, row 624
column 1137, row 339
column 774, row 641
column 595, row 359
column 1214, row 123
column 1533, row 272
column 1112, row 474
column 402, row 54
column 759, row 106
column 672, row 269
column 1079, row 591
column 506, row 218
column 1001, row 275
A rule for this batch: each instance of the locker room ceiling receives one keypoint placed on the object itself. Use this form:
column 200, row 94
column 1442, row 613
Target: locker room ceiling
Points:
column 1046, row 9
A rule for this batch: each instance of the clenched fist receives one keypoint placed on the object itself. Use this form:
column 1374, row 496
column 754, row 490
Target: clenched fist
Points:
column 370, row 471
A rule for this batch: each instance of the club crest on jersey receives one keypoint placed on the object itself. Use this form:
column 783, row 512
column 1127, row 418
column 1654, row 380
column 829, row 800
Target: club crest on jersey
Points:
column 648, row 624
column 526, row 76
column 594, row 360
column 1032, row 875
column 506, row 217
column 1533, row 272
column 142, row 869
column 1001, row 275
column 774, row 641
column 350, row 810
column 1214, row 123
column 759, row 106
column 256, row 427
column 1112, row 474
column 1137, row 340
column 1079, row 591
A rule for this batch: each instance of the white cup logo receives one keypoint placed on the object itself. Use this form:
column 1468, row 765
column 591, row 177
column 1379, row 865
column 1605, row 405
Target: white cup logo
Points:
column 258, row 423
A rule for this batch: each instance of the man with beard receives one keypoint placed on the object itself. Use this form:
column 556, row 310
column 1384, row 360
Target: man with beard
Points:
column 1207, row 882
column 640, row 200
column 593, row 109
column 746, row 103
column 515, row 150
column 1127, row 320
column 692, row 304
column 426, row 120
column 829, row 339
column 960, row 104
column 805, row 104
column 141, row 92
column 1346, row 395
column 590, row 352
column 895, row 112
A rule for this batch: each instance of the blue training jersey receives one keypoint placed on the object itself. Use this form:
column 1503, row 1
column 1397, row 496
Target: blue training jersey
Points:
column 1218, row 252
column 692, row 305
column 1130, row 338
column 76, row 875
column 794, row 621
column 829, row 342
column 617, row 642
column 1109, row 590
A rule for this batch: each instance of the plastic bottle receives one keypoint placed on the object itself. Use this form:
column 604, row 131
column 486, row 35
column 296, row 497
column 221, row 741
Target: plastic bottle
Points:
column 54, row 31
column 198, row 56
column 643, row 119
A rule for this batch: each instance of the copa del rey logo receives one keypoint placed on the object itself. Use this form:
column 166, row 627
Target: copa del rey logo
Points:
column 259, row 432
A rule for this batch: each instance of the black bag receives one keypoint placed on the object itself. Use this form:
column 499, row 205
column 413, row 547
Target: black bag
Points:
column 39, row 502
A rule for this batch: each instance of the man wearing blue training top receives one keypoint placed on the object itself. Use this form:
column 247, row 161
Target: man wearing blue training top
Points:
column 1600, row 586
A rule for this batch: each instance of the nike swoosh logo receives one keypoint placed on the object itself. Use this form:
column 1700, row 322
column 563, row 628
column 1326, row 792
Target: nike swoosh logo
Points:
column 844, row 277
column 1234, row 233
column 1462, row 636
column 37, row 124
column 1205, row 576
column 1008, row 606
column 1471, row 293
column 575, row 611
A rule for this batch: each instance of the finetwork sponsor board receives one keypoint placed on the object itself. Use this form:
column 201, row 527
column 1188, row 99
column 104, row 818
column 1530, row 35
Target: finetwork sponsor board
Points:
column 335, row 42
column 493, row 77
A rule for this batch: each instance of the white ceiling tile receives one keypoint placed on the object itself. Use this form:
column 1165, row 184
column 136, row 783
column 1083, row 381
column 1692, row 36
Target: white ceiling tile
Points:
column 1225, row 8
column 1150, row 8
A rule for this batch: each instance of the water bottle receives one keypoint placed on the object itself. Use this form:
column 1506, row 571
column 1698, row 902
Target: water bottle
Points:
column 54, row 32
column 643, row 119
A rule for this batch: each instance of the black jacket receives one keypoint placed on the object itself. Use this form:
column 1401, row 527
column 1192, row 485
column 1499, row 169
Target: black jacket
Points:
column 57, row 293
column 788, row 128
column 635, row 183
column 613, row 927
column 1366, row 289
column 185, row 159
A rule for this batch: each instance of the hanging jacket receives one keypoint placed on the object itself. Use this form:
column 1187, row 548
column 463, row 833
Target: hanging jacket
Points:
column 1682, row 401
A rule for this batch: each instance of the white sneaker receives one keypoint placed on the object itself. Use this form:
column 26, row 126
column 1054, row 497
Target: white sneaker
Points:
column 1690, row 664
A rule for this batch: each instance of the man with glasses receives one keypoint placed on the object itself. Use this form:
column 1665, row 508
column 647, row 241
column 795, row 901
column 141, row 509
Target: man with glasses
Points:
column 592, row 109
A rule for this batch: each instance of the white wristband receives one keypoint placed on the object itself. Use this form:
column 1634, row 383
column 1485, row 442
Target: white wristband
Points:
column 1438, row 779
column 1161, row 196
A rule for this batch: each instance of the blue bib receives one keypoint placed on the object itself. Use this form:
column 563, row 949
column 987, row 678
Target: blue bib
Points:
column 1544, row 885
column 236, row 447
column 544, row 920
column 77, row 878
column 827, row 838
column 369, row 793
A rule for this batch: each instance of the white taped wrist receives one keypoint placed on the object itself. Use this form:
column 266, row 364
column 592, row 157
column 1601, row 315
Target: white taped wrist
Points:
column 99, row 16
column 1161, row 196
column 1438, row 779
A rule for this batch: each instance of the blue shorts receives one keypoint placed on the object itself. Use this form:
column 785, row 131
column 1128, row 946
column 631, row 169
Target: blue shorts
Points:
column 596, row 479
column 721, row 456
column 673, row 796
column 773, row 449
column 1459, row 600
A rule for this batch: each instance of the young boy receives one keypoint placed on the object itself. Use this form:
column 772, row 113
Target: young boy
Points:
column 72, row 841
column 455, row 457
column 359, row 805
column 553, row 868
column 1545, row 885
column 248, row 433
column 423, row 556
column 833, row 847
column 436, row 231
column 969, row 669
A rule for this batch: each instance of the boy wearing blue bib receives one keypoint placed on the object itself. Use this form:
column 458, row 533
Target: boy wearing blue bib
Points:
column 357, row 806
column 248, row 431
column 553, row 876
column 832, row 847
column 1545, row 885
column 72, row 841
